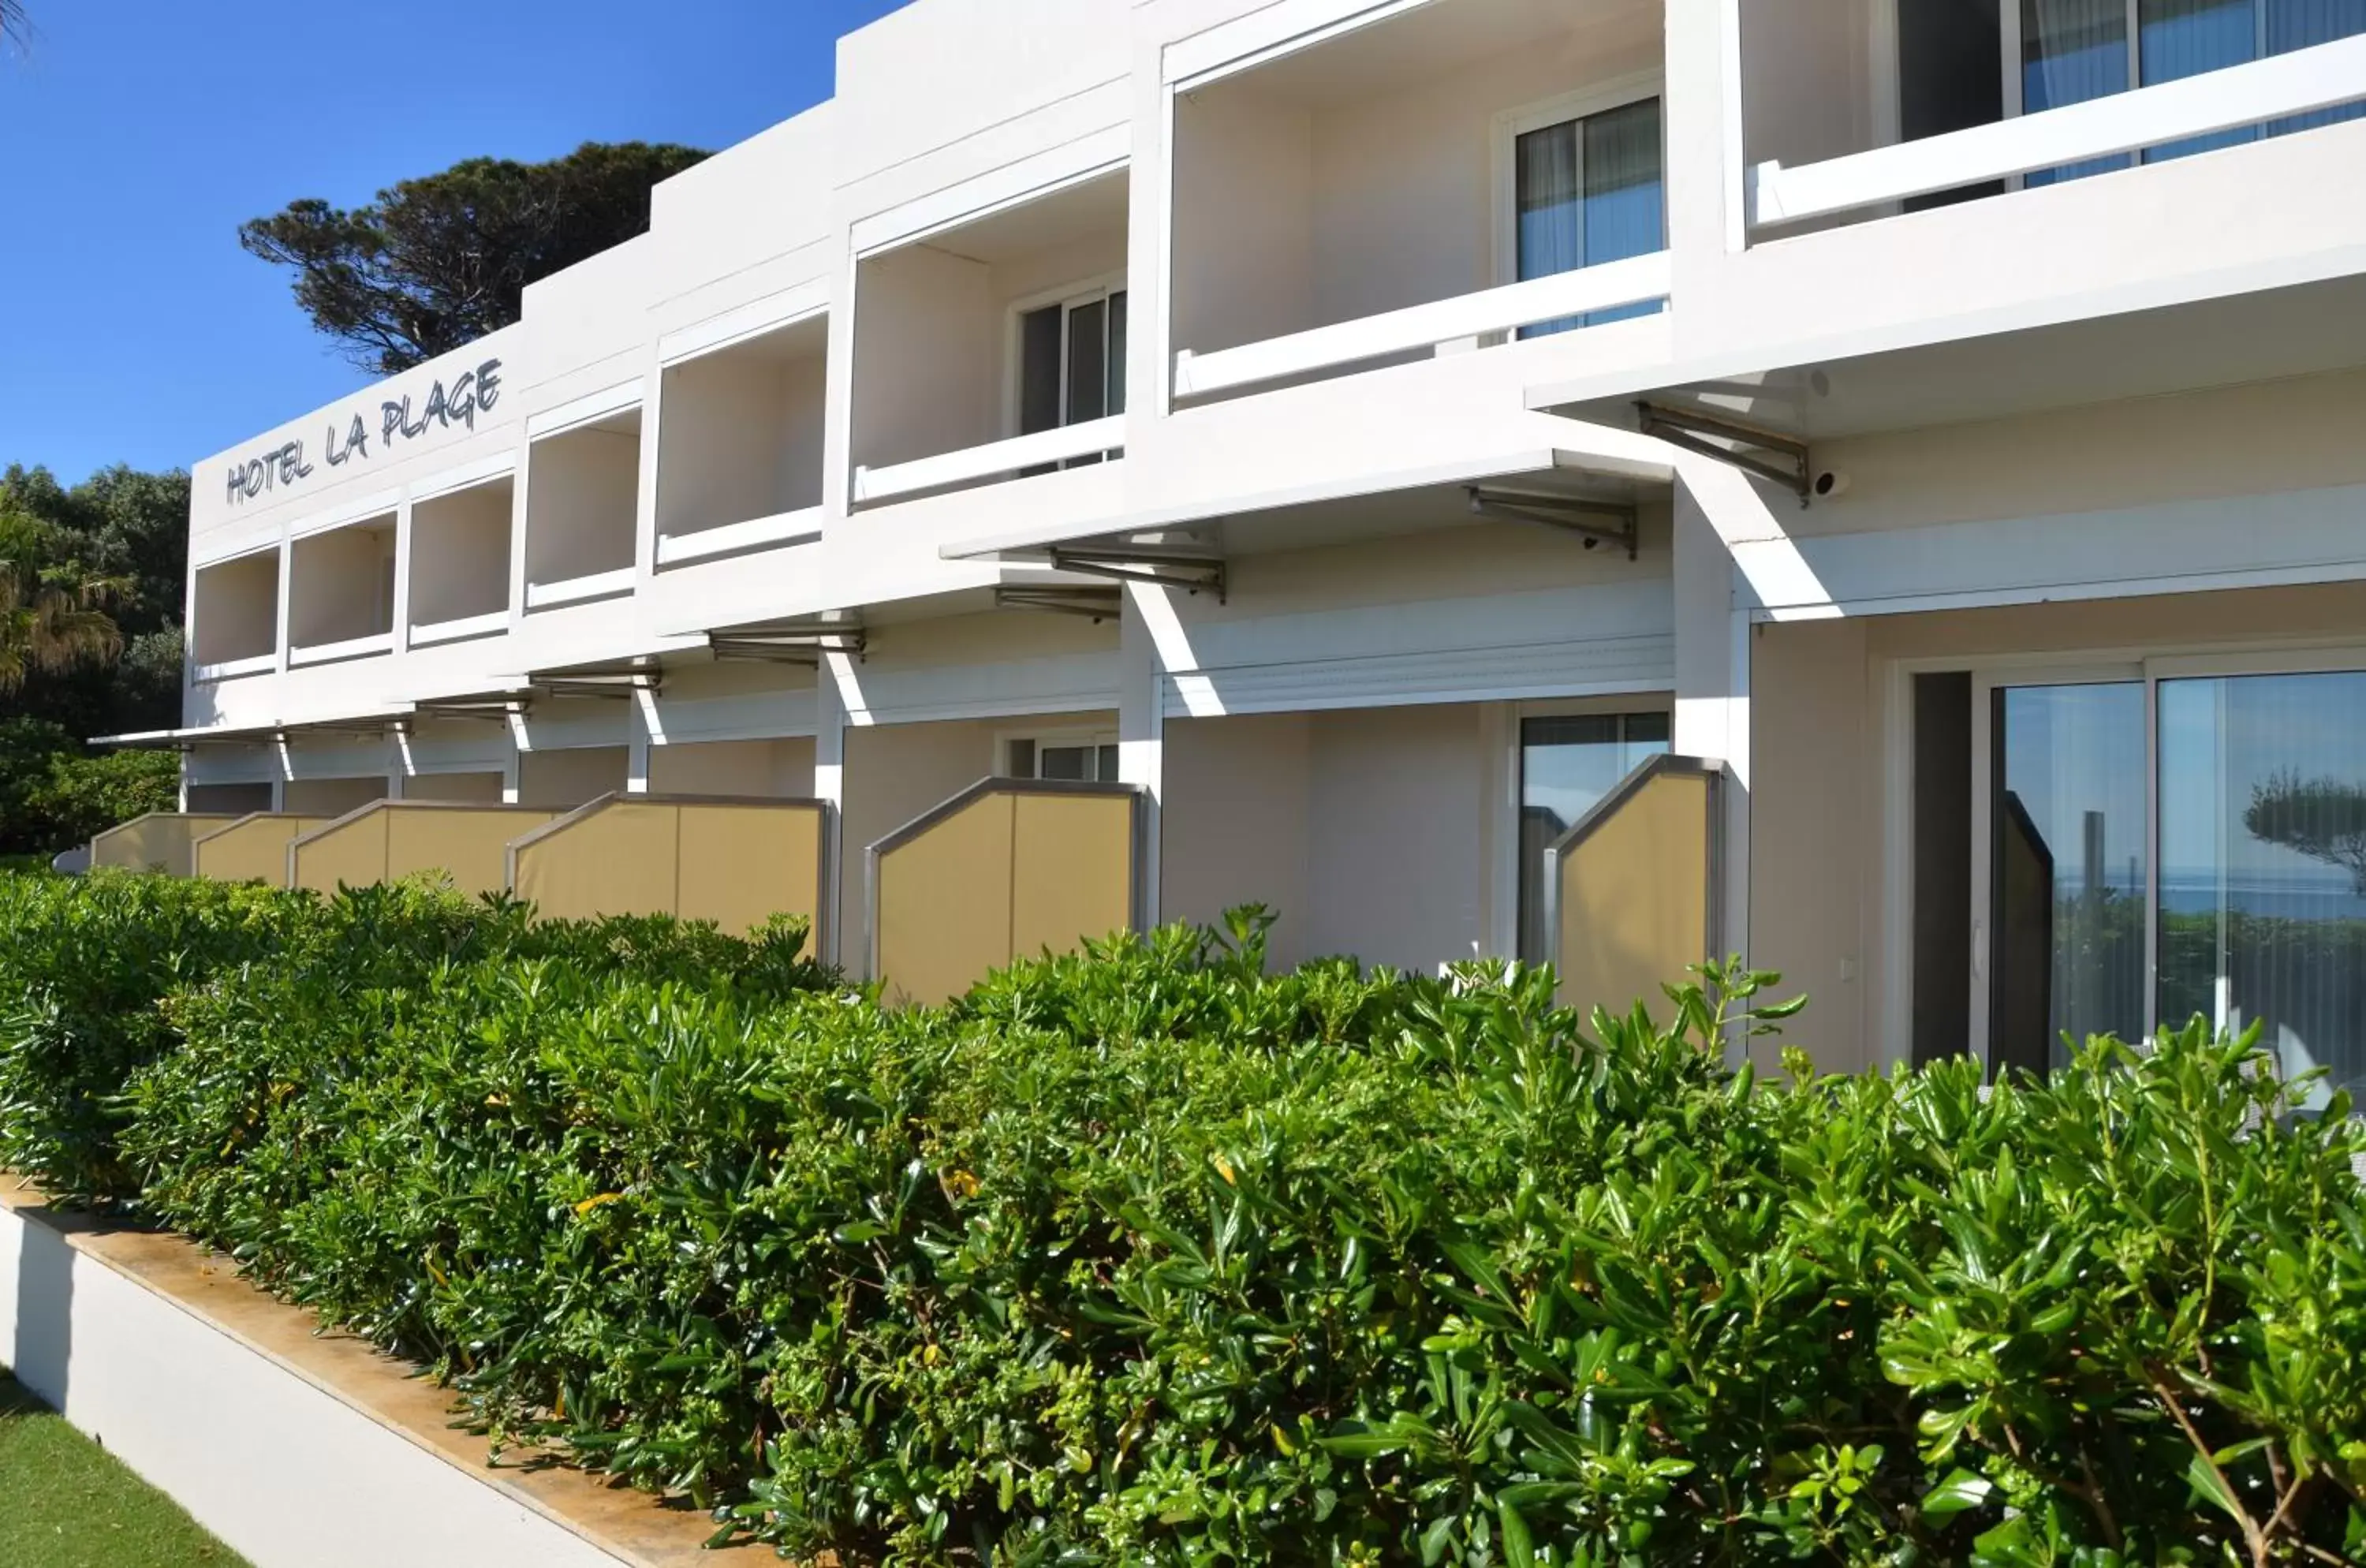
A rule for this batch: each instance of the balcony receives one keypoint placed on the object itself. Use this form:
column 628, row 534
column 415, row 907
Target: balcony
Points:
column 460, row 562
column 582, row 509
column 739, row 446
column 234, row 617
column 994, row 349
column 1464, row 174
column 341, row 592
column 1985, row 98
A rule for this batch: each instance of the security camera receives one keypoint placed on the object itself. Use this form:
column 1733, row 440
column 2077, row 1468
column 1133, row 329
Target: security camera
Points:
column 1828, row 483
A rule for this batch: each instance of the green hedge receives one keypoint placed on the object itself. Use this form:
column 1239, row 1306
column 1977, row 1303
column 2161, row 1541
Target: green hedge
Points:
column 1146, row 1257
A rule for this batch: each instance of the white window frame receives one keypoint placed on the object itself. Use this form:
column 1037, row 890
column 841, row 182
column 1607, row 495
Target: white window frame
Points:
column 1504, row 819
column 1066, row 295
column 1512, row 124
column 1074, row 735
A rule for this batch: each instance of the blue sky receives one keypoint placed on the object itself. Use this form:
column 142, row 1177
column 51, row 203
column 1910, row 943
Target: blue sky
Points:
column 138, row 134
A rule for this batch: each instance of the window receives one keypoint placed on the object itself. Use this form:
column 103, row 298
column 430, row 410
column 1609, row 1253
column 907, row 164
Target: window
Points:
column 1085, row 759
column 1072, row 364
column 1588, row 190
column 1567, row 763
column 2074, row 51
column 2225, row 875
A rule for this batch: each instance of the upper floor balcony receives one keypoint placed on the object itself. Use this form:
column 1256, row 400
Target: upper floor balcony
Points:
column 341, row 591
column 234, row 616
column 739, row 444
column 1459, row 174
column 993, row 348
column 582, row 512
column 459, row 562
column 1954, row 100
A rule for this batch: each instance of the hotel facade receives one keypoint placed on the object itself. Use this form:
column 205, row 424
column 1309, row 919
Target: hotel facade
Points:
column 1886, row 479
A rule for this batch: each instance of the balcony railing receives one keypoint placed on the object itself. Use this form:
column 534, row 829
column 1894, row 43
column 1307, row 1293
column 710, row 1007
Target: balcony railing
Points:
column 423, row 634
column 997, row 459
column 579, row 589
column 2282, row 85
column 1636, row 280
column 798, row 527
column 348, row 647
column 231, row 668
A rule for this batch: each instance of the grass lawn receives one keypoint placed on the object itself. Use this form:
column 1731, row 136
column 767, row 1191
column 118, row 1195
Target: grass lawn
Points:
column 65, row 1502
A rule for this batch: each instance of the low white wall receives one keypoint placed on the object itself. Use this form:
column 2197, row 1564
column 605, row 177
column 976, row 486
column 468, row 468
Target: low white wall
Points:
column 286, row 1473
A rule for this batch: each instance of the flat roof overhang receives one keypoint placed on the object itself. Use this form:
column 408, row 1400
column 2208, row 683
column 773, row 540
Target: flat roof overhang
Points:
column 379, row 722
column 1624, row 471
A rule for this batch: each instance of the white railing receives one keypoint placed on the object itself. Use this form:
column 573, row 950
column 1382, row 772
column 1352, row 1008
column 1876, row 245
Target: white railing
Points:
column 575, row 590
column 798, row 527
column 348, row 647
column 231, row 668
column 2319, row 77
column 425, row 633
column 1601, row 287
column 995, row 460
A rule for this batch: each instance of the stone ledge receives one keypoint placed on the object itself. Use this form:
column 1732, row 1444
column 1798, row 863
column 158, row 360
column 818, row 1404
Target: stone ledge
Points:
column 620, row 1525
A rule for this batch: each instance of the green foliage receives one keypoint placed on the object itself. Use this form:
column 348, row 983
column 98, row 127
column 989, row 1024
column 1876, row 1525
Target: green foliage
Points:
column 1143, row 1255
column 54, row 794
column 438, row 261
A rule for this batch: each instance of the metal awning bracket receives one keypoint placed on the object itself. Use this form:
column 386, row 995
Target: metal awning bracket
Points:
column 1594, row 522
column 1096, row 602
column 1772, row 455
column 802, row 641
column 1167, row 569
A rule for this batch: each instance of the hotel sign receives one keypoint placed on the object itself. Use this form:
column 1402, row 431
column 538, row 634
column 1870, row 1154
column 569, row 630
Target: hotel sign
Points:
column 283, row 467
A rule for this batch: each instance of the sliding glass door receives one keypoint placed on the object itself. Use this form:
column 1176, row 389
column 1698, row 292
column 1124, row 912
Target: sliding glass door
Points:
column 2181, row 842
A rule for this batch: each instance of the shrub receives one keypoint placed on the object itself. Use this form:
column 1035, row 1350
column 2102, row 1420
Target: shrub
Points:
column 1144, row 1255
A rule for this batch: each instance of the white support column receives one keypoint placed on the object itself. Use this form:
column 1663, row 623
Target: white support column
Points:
column 1142, row 731
column 641, row 725
column 1713, row 695
column 829, row 787
column 510, row 763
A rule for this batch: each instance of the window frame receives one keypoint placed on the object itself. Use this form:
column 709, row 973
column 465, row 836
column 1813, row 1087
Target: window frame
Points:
column 1504, row 900
column 1510, row 125
column 1067, row 295
column 1090, row 736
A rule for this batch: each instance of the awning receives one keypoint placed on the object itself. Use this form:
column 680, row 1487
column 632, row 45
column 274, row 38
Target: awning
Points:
column 1582, row 487
column 374, row 723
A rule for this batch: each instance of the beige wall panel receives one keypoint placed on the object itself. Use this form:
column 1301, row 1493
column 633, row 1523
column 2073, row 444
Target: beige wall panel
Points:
column 1233, row 828
column 477, row 789
column 742, row 865
column 563, row 780
column 351, row 852
column 468, row 845
column 1071, row 870
column 1396, row 835
column 328, row 798
column 253, row 849
column 783, row 767
column 894, row 773
column 944, row 903
column 619, row 860
column 1813, row 844
column 159, row 841
column 1634, row 898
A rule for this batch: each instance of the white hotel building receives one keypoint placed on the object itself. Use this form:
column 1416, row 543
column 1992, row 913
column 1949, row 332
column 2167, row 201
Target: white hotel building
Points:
column 1370, row 430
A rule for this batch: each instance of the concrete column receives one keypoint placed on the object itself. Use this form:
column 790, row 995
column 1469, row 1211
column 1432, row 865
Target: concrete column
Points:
column 1712, row 720
column 641, row 726
column 1141, row 731
column 510, row 760
column 829, row 784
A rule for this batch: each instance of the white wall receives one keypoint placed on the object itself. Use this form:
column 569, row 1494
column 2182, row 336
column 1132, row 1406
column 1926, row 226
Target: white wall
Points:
column 1243, row 221
column 340, row 584
column 460, row 553
column 926, row 353
column 741, row 437
column 236, row 610
column 1233, row 823
column 582, row 497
